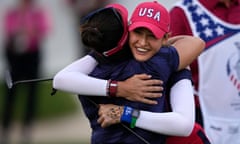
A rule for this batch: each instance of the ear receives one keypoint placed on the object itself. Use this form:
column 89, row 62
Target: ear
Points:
column 165, row 39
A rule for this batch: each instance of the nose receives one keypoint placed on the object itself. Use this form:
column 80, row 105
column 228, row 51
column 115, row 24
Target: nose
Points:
column 142, row 40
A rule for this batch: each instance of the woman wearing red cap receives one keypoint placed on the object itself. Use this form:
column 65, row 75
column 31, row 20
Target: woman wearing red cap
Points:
column 120, row 68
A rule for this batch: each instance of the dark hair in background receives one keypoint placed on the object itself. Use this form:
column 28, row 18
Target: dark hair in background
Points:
column 102, row 31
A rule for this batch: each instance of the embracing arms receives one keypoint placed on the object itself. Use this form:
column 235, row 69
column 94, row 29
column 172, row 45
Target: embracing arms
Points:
column 181, row 100
column 178, row 122
column 74, row 78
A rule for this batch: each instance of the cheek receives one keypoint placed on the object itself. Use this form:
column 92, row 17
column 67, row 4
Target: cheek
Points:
column 157, row 48
column 156, row 45
column 132, row 38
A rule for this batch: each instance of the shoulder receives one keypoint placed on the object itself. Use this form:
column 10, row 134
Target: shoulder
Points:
column 169, row 50
column 167, row 55
column 166, row 52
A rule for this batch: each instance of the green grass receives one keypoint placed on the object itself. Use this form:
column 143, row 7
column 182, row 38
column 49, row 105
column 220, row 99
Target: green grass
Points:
column 47, row 106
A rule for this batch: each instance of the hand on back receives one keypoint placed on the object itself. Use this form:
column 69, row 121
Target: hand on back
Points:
column 140, row 88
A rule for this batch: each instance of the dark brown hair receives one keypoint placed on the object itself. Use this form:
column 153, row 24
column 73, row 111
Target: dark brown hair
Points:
column 102, row 30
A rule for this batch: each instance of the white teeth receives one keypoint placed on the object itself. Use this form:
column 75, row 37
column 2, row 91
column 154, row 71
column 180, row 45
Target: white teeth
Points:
column 141, row 49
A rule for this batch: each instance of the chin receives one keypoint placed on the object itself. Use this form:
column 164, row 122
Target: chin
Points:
column 140, row 59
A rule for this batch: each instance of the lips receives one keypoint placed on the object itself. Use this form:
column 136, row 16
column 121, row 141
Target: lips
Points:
column 141, row 54
column 142, row 50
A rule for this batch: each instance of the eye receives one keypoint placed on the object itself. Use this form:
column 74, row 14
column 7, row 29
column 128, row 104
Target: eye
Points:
column 137, row 31
column 151, row 36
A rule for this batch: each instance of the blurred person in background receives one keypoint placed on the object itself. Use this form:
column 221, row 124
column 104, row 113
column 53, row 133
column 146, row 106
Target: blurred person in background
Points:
column 83, row 7
column 25, row 28
column 215, row 73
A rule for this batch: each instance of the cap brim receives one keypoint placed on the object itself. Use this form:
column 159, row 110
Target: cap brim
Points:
column 157, row 32
column 124, row 15
column 121, row 8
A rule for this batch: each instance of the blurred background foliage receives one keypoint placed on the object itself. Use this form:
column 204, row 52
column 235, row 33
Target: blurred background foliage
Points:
column 48, row 107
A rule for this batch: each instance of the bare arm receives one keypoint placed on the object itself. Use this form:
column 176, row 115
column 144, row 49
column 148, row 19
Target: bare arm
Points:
column 188, row 47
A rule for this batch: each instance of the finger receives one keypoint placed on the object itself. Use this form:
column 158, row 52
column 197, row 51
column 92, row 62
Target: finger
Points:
column 152, row 95
column 143, row 76
column 104, row 124
column 154, row 82
column 154, row 89
column 100, row 120
column 148, row 101
column 100, row 112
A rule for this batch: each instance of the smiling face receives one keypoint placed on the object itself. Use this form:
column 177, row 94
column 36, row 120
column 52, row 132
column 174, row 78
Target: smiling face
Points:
column 144, row 44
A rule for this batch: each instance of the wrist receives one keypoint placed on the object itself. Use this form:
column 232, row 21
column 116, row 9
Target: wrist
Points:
column 130, row 116
column 127, row 114
column 112, row 87
column 119, row 89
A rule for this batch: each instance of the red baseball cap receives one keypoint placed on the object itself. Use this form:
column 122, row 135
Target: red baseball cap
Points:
column 153, row 16
column 124, row 18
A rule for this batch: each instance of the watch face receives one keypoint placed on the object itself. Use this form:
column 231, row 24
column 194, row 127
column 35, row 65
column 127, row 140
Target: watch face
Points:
column 135, row 113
